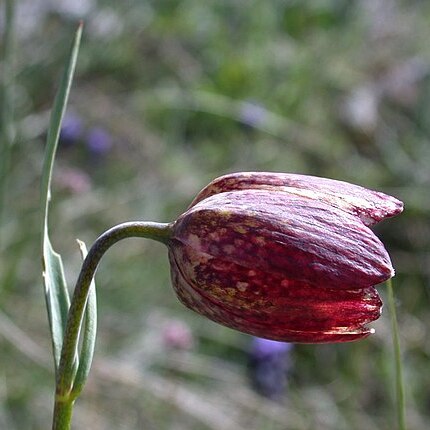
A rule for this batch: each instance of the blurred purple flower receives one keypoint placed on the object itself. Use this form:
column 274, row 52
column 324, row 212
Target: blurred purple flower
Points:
column 264, row 348
column 99, row 141
column 252, row 114
column 71, row 128
column 268, row 365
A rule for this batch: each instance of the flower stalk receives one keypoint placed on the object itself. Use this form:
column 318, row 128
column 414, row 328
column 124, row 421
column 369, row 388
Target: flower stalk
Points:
column 65, row 392
column 63, row 414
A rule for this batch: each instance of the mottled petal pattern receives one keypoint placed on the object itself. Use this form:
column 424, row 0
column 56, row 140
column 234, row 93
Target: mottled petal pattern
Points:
column 282, row 256
column 285, row 233
column 370, row 206
column 260, row 303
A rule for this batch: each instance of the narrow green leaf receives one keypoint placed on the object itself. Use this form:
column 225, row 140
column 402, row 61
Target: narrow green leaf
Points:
column 88, row 337
column 57, row 114
column 56, row 294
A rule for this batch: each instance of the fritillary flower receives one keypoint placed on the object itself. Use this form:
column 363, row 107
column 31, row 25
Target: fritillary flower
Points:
column 283, row 256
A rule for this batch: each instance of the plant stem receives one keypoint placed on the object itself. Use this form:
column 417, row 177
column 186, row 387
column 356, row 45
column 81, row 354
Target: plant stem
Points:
column 63, row 414
column 400, row 392
column 64, row 385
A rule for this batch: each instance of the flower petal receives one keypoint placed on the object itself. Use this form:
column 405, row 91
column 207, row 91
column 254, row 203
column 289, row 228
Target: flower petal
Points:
column 296, row 237
column 370, row 206
column 269, row 306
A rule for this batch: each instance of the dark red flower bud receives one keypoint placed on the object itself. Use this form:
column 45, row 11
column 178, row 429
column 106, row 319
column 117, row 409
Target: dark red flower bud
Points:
column 284, row 257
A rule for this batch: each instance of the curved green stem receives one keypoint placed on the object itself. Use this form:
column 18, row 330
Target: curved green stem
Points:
column 65, row 396
column 400, row 392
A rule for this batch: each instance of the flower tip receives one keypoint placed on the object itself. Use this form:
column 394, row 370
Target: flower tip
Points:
column 396, row 208
column 400, row 207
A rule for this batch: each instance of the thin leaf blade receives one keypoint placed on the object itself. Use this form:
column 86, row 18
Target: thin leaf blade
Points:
column 56, row 293
column 56, row 296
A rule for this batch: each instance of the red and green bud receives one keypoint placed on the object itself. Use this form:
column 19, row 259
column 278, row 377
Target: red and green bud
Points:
column 284, row 257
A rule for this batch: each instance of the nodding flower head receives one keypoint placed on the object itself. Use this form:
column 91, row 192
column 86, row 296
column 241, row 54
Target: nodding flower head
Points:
column 283, row 256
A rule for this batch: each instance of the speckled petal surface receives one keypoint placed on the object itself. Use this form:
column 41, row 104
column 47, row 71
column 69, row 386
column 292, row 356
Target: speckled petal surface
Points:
column 270, row 306
column 370, row 206
column 283, row 256
column 303, row 239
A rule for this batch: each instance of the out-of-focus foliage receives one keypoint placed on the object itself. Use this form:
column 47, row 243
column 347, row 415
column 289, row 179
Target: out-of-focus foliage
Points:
column 168, row 95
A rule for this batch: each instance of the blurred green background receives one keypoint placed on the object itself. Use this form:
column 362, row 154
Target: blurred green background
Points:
column 168, row 95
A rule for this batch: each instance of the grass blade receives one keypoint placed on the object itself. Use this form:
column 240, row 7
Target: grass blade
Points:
column 6, row 108
column 56, row 294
